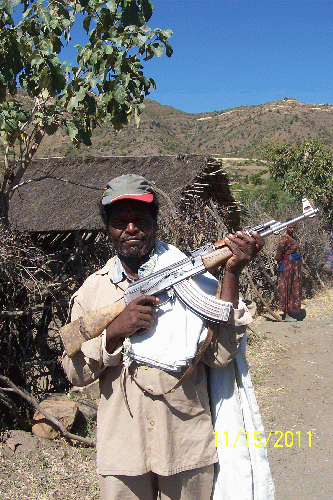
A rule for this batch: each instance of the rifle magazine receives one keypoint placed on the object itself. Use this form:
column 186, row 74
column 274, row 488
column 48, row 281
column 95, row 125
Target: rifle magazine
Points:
column 201, row 303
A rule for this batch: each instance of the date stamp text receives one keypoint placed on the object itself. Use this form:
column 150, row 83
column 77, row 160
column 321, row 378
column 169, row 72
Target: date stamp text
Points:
column 277, row 439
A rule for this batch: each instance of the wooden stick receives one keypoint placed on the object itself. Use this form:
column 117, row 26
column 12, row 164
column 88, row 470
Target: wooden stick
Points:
column 54, row 421
column 276, row 316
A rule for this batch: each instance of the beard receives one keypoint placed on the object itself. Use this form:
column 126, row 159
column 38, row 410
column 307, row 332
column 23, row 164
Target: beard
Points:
column 135, row 252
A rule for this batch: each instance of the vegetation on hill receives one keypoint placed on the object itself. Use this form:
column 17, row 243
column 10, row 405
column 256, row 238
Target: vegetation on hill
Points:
column 237, row 132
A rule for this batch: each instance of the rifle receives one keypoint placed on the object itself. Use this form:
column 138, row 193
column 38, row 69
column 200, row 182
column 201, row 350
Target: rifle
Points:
column 174, row 279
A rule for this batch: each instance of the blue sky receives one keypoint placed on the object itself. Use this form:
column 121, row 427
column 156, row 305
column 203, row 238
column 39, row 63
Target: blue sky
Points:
column 230, row 53
column 234, row 53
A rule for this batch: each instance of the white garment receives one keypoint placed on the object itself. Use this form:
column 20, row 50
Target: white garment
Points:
column 175, row 337
column 243, row 471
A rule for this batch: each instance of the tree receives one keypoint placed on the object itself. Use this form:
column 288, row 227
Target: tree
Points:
column 107, row 85
column 305, row 169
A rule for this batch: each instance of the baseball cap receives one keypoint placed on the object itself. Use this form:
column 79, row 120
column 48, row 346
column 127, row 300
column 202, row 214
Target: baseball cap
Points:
column 129, row 186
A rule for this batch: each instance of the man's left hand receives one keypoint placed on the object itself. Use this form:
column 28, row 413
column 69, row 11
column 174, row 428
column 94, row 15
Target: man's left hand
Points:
column 244, row 248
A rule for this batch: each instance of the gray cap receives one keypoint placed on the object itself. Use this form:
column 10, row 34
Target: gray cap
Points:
column 129, row 186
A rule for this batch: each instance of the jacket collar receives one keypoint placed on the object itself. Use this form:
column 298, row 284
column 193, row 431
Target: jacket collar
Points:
column 108, row 268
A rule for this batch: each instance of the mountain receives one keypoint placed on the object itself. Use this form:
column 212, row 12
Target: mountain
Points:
column 238, row 132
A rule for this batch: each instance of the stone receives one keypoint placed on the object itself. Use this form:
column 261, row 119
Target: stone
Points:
column 87, row 399
column 90, row 391
column 59, row 407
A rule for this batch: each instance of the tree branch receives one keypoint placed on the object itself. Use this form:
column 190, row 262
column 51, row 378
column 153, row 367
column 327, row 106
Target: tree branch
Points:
column 276, row 316
column 48, row 176
column 54, row 421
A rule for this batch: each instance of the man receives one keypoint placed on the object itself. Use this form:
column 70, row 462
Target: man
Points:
column 152, row 437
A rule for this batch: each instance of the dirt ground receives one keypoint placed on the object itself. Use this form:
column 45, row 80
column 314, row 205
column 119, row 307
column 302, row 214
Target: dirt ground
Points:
column 291, row 367
column 295, row 395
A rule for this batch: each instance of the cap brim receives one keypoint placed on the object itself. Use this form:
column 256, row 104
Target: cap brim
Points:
column 145, row 198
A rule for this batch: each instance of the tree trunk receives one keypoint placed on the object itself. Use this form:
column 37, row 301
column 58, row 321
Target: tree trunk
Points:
column 4, row 210
column 10, row 184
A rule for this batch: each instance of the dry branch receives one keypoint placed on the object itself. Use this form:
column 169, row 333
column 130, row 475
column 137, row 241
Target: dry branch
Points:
column 277, row 317
column 54, row 421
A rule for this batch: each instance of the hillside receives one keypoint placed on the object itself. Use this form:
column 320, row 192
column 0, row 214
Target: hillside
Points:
column 238, row 132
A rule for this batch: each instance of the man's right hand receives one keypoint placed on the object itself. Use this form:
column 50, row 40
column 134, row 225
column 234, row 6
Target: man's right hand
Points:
column 138, row 315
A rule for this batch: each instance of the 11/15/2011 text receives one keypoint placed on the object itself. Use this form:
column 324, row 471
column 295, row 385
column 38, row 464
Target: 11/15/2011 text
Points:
column 281, row 439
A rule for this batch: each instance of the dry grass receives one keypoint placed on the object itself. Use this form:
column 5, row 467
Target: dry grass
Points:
column 47, row 470
column 262, row 354
column 318, row 305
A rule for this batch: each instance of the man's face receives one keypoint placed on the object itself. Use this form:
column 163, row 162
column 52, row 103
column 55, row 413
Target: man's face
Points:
column 132, row 229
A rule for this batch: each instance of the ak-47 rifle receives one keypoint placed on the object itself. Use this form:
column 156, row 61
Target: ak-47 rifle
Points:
column 175, row 278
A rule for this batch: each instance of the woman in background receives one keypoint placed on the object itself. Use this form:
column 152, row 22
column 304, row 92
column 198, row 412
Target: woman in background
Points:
column 290, row 282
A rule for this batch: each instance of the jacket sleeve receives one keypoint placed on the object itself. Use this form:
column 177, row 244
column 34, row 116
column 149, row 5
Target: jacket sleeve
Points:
column 227, row 337
column 86, row 366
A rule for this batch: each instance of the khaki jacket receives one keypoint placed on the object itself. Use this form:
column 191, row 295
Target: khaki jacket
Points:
column 167, row 433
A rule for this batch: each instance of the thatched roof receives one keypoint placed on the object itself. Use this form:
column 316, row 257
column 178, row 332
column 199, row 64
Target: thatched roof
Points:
column 65, row 193
column 211, row 184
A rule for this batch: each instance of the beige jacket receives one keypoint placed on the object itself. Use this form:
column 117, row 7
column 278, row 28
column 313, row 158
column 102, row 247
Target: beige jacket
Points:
column 167, row 433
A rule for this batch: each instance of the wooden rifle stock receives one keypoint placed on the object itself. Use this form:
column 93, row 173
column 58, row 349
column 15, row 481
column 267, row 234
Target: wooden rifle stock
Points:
column 89, row 326
column 217, row 257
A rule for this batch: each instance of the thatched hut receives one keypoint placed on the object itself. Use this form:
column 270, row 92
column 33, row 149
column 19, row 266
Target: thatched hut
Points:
column 58, row 199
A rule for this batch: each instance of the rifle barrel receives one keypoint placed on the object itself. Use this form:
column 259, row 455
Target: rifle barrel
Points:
column 282, row 225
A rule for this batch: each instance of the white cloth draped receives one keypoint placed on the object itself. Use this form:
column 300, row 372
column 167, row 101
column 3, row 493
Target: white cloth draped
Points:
column 173, row 340
column 243, row 471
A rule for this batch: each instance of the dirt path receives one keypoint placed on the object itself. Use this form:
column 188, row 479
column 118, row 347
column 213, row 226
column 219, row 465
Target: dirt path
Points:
column 292, row 371
column 295, row 396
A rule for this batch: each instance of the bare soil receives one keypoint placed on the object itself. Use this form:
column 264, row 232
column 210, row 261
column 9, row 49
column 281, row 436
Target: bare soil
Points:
column 291, row 366
column 292, row 370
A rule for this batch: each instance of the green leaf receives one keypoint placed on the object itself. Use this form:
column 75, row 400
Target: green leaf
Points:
column 157, row 48
column 9, row 125
column 120, row 94
column 56, row 45
column 167, row 33
column 119, row 60
column 109, row 49
column 112, row 5
column 51, row 128
column 23, row 116
column 9, row 5
column 81, row 94
column 140, row 40
column 91, row 104
column 86, row 23
column 72, row 130
column 168, row 49
column 73, row 104
column 85, row 137
column 148, row 9
column 141, row 107
column 126, row 79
